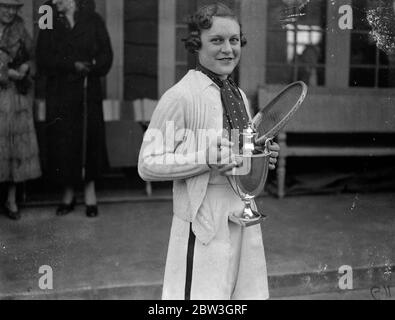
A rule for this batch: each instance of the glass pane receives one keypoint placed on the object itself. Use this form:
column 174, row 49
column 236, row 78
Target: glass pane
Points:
column 280, row 75
column 382, row 25
column 360, row 8
column 311, row 75
column 297, row 38
column 309, row 44
column 277, row 50
column 384, row 59
column 314, row 14
column 304, row 12
column 363, row 50
column 275, row 9
column 371, row 13
column 387, row 78
column 373, row 46
column 362, row 77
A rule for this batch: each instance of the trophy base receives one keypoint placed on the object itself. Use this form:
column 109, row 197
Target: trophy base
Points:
column 248, row 221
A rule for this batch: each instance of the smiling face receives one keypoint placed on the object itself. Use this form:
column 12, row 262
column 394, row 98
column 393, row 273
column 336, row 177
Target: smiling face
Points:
column 7, row 13
column 221, row 46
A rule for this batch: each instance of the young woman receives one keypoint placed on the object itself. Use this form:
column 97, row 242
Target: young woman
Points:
column 77, row 48
column 209, row 257
column 19, row 156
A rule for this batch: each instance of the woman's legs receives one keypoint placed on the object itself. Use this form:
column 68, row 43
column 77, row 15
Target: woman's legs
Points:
column 91, row 200
column 90, row 193
column 11, row 206
column 68, row 195
column 11, row 199
column 68, row 202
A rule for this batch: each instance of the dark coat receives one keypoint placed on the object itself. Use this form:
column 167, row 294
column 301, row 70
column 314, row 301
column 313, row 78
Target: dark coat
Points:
column 57, row 51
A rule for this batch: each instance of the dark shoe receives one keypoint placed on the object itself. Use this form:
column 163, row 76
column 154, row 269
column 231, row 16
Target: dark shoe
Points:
column 13, row 215
column 92, row 211
column 65, row 209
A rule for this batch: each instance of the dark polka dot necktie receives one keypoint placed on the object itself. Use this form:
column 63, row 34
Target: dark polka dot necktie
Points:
column 234, row 110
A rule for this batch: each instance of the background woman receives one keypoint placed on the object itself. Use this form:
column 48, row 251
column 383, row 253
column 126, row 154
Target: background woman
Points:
column 209, row 257
column 78, row 47
column 19, row 157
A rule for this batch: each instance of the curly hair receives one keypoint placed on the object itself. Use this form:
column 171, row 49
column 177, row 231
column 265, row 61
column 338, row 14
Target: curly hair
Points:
column 203, row 20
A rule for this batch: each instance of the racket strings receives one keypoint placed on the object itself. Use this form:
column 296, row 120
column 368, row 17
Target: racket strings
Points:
column 269, row 121
column 277, row 113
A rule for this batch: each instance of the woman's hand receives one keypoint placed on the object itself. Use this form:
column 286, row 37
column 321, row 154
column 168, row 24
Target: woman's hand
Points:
column 15, row 75
column 219, row 156
column 24, row 69
column 82, row 67
column 274, row 149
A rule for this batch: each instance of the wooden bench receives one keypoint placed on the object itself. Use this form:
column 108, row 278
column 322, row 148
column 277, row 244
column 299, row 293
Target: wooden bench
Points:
column 335, row 111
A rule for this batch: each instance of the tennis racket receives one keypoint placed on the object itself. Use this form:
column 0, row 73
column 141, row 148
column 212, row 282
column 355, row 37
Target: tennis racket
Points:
column 268, row 123
column 273, row 117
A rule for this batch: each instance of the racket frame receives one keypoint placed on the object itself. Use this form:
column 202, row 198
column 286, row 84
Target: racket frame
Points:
column 272, row 133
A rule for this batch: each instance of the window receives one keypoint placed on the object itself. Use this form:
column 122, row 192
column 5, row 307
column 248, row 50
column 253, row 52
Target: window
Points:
column 296, row 42
column 372, row 61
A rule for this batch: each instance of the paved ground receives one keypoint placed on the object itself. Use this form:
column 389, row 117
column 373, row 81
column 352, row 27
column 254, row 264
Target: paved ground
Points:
column 381, row 295
column 121, row 255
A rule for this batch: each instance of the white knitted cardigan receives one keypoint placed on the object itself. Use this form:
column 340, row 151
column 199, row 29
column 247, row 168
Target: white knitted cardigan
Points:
column 183, row 105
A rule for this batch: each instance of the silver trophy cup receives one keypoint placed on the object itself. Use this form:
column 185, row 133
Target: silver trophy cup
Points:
column 248, row 181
